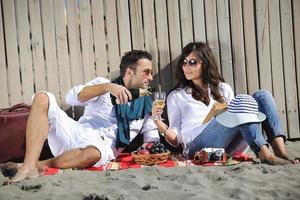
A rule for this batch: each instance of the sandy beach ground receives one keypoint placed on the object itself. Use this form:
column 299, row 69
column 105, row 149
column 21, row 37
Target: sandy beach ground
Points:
column 241, row 181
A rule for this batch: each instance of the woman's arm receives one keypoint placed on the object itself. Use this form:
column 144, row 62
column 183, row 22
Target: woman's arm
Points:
column 169, row 133
column 165, row 131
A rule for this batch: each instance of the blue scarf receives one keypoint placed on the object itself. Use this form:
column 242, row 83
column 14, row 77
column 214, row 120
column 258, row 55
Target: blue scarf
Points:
column 138, row 109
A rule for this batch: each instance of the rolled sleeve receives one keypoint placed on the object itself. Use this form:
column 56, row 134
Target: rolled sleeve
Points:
column 174, row 114
column 150, row 130
column 72, row 95
column 227, row 92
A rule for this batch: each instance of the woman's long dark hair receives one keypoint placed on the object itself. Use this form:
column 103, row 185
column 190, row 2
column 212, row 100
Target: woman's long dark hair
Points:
column 209, row 75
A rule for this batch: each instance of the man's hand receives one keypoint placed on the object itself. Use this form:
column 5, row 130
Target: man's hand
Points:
column 122, row 94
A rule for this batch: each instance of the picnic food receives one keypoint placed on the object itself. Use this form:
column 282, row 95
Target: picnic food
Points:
column 151, row 153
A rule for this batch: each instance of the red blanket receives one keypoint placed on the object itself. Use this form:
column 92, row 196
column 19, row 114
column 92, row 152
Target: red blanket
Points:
column 126, row 161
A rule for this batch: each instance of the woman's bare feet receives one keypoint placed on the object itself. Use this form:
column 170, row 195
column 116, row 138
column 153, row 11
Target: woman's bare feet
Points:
column 23, row 174
column 288, row 157
column 280, row 151
column 266, row 156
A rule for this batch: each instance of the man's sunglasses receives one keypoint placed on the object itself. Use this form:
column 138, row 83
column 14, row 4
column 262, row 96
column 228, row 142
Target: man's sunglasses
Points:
column 191, row 62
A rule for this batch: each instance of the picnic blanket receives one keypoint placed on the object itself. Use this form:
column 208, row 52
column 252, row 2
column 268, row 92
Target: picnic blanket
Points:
column 126, row 161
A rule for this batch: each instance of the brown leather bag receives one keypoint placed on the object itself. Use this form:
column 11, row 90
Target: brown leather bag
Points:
column 12, row 133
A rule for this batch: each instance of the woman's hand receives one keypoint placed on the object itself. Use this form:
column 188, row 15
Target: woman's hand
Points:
column 216, row 109
column 157, row 110
column 219, row 108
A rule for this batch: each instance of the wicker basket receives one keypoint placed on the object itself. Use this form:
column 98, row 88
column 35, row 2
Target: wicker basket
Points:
column 150, row 159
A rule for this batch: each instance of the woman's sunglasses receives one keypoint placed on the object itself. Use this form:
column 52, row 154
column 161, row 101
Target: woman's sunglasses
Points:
column 191, row 62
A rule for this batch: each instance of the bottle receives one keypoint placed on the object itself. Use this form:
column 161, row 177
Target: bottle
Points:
column 135, row 93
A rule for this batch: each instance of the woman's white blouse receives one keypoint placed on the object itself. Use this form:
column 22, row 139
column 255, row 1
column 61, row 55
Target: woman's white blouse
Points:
column 187, row 114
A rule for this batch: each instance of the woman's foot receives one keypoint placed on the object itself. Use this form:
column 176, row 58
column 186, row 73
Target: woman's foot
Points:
column 286, row 156
column 280, row 151
column 266, row 156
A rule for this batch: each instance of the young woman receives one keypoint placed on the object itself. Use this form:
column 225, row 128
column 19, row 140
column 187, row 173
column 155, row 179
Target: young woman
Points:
column 200, row 87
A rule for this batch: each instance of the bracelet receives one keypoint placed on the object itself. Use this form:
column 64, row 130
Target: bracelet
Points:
column 164, row 133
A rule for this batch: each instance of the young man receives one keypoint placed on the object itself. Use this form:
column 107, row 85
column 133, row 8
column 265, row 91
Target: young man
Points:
column 103, row 130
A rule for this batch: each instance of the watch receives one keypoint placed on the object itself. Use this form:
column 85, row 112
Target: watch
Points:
column 164, row 133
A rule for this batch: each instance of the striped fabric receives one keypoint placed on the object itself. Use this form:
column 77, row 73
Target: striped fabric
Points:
column 243, row 103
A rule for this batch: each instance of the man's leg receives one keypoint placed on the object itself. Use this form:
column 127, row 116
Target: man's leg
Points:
column 75, row 158
column 36, row 134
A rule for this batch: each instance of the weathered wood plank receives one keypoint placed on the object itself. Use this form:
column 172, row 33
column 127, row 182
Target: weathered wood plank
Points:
column 50, row 47
column 250, row 47
column 174, row 35
column 74, row 43
column 150, row 36
column 4, row 102
column 263, row 44
column 37, row 46
column 212, row 28
column 99, row 38
column 24, row 50
column 238, row 53
column 86, row 41
column 225, row 42
column 289, row 69
column 163, row 44
column 296, row 19
column 112, row 39
column 198, row 19
column 124, row 26
column 62, row 50
column 13, row 69
column 276, row 60
column 186, row 22
column 136, row 24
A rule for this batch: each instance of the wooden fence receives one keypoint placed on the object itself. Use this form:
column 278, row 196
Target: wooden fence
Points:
column 55, row 44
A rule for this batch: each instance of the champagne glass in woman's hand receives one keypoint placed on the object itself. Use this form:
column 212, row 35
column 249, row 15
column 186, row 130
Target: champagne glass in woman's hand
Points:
column 159, row 102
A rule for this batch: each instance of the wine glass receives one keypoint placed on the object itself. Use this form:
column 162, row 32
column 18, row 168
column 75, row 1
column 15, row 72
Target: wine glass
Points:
column 186, row 147
column 159, row 101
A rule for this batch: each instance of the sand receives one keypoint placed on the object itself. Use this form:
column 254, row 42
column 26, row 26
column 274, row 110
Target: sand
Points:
column 242, row 181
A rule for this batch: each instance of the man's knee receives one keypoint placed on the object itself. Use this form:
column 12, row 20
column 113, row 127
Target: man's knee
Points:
column 91, row 156
column 40, row 100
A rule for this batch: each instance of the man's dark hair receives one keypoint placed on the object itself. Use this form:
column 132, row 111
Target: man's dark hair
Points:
column 131, row 58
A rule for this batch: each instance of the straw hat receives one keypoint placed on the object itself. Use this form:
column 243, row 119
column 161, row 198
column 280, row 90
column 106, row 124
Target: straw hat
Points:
column 242, row 109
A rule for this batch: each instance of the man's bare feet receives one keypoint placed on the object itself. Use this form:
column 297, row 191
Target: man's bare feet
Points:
column 23, row 174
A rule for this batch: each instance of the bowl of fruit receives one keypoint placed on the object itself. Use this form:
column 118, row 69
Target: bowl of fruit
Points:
column 151, row 154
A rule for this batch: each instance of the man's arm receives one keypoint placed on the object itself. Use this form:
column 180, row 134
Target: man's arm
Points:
column 120, row 92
